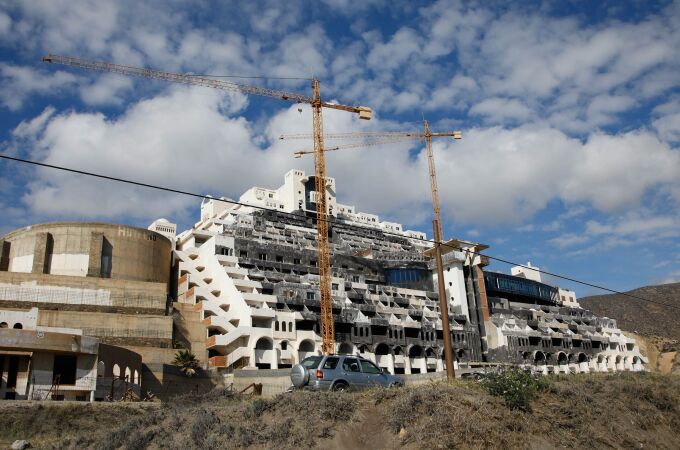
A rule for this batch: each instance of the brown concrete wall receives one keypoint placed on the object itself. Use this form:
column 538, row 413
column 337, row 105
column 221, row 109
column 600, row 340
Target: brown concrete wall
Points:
column 111, row 325
column 124, row 293
column 166, row 381
column 138, row 254
column 190, row 330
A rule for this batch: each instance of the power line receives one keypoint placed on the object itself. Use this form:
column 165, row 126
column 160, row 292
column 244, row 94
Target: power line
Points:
column 201, row 196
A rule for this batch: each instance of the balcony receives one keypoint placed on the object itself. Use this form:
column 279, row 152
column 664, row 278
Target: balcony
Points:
column 217, row 361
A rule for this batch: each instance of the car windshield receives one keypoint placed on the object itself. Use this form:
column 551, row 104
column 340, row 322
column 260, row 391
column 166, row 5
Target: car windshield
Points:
column 311, row 362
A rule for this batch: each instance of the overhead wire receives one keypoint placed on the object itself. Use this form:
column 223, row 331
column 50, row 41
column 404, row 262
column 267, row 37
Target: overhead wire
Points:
column 234, row 202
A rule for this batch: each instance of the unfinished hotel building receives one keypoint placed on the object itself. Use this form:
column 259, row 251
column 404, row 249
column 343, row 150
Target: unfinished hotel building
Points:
column 250, row 276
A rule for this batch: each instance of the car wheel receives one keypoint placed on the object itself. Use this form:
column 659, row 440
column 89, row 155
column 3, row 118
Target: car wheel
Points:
column 340, row 387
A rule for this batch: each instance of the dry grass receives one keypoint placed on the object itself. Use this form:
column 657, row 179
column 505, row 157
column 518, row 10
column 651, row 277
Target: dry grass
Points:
column 595, row 411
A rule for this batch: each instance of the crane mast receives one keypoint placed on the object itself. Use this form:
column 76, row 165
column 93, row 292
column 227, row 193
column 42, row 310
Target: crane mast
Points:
column 317, row 105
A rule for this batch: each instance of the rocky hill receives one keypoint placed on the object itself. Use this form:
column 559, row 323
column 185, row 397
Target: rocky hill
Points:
column 655, row 327
column 638, row 316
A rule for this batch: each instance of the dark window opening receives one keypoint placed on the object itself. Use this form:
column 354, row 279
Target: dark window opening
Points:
column 106, row 259
column 65, row 368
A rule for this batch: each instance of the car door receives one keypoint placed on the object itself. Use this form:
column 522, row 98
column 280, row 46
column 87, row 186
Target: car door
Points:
column 372, row 373
column 351, row 371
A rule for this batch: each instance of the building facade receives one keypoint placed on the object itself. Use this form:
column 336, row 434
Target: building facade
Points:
column 103, row 288
column 247, row 273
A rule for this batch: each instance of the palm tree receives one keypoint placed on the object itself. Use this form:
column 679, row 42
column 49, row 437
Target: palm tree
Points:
column 187, row 362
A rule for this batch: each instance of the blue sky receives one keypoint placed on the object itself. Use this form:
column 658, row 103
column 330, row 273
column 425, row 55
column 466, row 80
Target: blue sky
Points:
column 570, row 112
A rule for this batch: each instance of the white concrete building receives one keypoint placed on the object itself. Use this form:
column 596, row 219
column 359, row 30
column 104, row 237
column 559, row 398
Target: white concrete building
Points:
column 250, row 275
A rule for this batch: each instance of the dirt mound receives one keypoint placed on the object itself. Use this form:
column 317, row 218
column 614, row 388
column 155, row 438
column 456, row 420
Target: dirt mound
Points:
column 663, row 354
column 594, row 411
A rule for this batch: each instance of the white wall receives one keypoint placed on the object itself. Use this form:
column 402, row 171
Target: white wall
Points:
column 21, row 264
column 455, row 287
column 69, row 264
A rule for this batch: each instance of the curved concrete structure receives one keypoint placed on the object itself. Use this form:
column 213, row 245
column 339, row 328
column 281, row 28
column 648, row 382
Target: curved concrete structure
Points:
column 88, row 249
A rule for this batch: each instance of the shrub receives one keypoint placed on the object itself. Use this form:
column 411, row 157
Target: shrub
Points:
column 187, row 362
column 517, row 387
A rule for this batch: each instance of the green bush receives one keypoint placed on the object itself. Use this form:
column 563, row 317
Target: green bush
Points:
column 517, row 387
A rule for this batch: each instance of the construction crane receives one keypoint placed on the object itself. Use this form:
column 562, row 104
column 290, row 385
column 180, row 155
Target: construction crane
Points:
column 324, row 260
column 372, row 138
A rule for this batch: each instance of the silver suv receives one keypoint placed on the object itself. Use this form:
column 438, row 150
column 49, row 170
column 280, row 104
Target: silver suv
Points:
column 339, row 373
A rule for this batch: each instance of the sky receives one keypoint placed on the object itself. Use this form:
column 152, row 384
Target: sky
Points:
column 570, row 113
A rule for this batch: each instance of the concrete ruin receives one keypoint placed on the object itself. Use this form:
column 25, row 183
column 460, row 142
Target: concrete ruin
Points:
column 99, row 308
column 81, row 304
column 251, row 277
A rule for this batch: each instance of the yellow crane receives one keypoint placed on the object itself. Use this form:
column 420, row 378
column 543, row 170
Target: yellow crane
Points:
column 324, row 260
column 372, row 138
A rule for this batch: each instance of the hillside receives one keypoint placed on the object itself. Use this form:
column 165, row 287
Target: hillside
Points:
column 640, row 317
column 580, row 411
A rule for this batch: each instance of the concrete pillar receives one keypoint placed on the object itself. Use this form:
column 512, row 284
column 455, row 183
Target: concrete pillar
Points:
column 407, row 364
column 390, row 363
column 276, row 354
column 423, row 364
column 253, row 360
column 94, row 265
column 42, row 253
column 4, row 255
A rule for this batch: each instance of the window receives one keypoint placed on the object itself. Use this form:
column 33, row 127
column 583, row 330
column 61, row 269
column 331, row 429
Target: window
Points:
column 355, row 278
column 65, row 368
column 271, row 195
column 335, row 286
column 350, row 365
column 290, row 326
column 276, row 326
column 331, row 363
column 262, row 256
column 296, row 260
column 311, row 296
column 283, row 326
column 279, row 258
column 312, row 262
column 243, row 254
column 311, row 362
column 284, row 345
column 369, row 367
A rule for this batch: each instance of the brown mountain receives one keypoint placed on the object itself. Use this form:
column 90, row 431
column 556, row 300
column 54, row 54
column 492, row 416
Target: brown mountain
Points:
column 639, row 316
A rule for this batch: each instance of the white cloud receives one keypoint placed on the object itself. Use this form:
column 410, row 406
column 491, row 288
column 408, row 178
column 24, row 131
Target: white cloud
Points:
column 182, row 133
column 5, row 23
column 390, row 55
column 613, row 172
column 632, row 228
column 501, row 110
column 568, row 240
column 602, row 108
column 107, row 89
column 668, row 127
column 20, row 82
